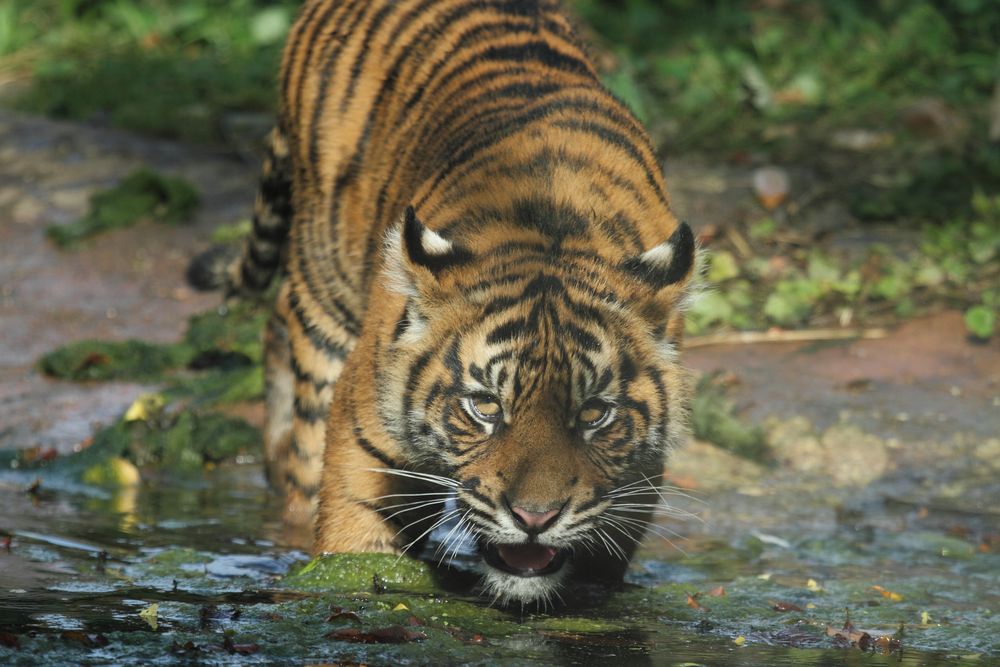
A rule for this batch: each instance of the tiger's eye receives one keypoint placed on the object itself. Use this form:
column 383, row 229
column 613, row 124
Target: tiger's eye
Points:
column 486, row 408
column 593, row 412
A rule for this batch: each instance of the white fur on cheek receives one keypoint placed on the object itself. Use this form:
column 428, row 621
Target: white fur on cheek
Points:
column 394, row 264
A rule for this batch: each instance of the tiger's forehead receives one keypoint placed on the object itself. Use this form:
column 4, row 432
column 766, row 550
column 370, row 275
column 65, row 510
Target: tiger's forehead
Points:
column 544, row 344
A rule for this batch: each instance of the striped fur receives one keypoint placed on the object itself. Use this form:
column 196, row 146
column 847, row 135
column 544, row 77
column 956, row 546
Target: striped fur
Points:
column 462, row 210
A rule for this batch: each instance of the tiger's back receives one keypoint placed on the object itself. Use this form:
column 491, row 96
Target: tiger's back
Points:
column 443, row 165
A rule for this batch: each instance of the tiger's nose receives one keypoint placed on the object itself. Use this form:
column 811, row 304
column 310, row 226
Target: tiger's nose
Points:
column 535, row 522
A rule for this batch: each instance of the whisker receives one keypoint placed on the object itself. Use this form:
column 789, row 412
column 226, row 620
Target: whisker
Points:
column 444, row 542
column 419, row 476
column 407, row 495
column 619, row 522
column 656, row 508
column 419, row 505
column 427, row 532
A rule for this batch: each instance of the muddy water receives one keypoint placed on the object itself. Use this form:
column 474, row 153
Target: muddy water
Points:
column 211, row 553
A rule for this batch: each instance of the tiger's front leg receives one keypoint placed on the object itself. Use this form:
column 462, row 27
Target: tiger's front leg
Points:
column 365, row 504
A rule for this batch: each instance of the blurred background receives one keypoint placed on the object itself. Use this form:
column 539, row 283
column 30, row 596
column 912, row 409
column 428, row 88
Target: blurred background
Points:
column 883, row 118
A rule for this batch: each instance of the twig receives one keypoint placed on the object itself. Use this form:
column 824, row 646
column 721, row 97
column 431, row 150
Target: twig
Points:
column 783, row 336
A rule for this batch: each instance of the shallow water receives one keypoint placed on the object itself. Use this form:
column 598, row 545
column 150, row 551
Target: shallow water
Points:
column 82, row 565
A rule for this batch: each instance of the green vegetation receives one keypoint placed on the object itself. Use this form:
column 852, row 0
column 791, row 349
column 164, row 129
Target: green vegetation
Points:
column 173, row 68
column 713, row 419
column 179, row 428
column 143, row 195
column 954, row 264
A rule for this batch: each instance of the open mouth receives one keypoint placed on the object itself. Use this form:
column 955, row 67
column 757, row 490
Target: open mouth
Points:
column 525, row 560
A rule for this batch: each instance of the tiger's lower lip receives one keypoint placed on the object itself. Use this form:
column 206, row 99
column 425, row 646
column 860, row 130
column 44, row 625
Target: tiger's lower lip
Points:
column 529, row 554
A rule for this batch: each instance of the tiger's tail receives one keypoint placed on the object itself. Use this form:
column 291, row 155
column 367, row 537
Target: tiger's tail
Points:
column 249, row 271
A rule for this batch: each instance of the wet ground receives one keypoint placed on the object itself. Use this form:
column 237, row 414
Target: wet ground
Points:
column 886, row 474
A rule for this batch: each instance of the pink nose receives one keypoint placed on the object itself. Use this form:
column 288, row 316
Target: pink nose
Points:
column 535, row 521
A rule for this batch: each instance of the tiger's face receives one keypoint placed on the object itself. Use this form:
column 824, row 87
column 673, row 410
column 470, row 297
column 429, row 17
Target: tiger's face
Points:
column 548, row 398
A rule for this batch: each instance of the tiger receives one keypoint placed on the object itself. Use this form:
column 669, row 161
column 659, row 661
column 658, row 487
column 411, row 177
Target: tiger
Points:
column 480, row 292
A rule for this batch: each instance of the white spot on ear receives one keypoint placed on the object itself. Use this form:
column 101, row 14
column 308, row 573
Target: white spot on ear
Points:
column 434, row 243
column 660, row 256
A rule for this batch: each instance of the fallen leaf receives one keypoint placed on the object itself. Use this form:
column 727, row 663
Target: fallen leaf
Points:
column 90, row 361
column 813, row 585
column 784, row 606
column 740, row 641
column 692, row 601
column 925, row 618
column 339, row 613
column 393, row 634
column 718, row 592
column 401, row 607
column 895, row 597
column 149, row 614
column 144, row 407
column 851, row 636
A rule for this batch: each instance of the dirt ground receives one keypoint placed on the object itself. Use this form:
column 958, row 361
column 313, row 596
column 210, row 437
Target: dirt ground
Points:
column 924, row 381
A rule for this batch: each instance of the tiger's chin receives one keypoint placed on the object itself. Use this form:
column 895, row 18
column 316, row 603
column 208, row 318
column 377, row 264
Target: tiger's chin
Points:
column 524, row 573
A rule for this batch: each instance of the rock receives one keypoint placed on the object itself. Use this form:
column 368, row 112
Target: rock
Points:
column 989, row 453
column 795, row 445
column 712, row 468
column 770, row 185
column 852, row 457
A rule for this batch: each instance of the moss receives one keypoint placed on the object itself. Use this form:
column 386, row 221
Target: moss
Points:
column 143, row 195
column 350, row 573
column 100, row 360
column 713, row 419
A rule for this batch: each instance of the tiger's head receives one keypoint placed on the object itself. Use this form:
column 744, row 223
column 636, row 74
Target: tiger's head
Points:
column 542, row 378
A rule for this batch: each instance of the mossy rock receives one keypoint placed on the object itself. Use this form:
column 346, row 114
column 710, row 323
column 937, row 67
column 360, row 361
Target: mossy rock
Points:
column 351, row 573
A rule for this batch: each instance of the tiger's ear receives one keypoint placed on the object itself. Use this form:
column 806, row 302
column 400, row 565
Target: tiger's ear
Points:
column 667, row 269
column 667, row 264
column 416, row 257
column 427, row 249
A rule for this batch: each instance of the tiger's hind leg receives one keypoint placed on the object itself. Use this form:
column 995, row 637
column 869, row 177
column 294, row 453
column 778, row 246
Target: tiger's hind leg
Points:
column 315, row 361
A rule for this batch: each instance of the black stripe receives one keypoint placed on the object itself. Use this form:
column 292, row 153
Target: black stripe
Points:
column 506, row 332
column 374, row 451
column 309, row 413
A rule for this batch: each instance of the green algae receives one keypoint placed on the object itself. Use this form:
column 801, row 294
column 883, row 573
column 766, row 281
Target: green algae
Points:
column 142, row 195
column 351, row 573
column 714, row 419
column 103, row 360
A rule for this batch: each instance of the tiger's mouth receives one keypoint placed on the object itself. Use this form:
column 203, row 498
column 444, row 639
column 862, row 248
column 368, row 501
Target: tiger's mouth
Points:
column 525, row 560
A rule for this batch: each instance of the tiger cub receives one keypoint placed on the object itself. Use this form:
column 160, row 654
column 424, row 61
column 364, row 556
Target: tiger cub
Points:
column 481, row 292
